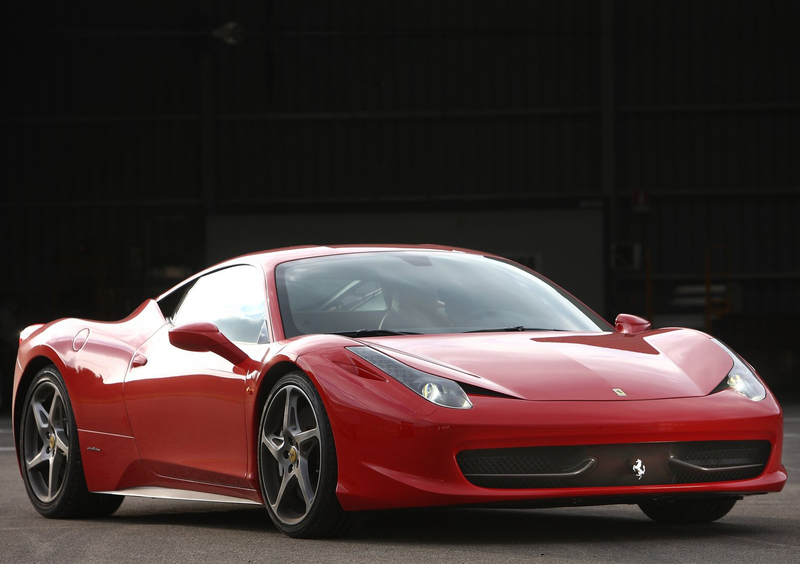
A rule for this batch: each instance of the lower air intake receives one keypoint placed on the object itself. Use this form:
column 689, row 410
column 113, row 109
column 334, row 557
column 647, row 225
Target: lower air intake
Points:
column 628, row 464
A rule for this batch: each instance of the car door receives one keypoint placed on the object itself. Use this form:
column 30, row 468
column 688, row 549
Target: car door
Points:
column 186, row 408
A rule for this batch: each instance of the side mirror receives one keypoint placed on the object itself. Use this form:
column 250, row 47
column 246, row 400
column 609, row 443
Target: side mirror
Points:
column 628, row 324
column 206, row 337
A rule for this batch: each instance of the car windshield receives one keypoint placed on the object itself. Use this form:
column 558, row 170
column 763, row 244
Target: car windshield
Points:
column 387, row 293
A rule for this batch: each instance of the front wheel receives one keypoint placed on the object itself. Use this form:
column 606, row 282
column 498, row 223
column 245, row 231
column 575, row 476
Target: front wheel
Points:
column 688, row 511
column 297, row 461
column 50, row 455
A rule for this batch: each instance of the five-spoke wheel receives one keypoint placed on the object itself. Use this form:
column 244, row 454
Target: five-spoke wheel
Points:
column 297, row 461
column 290, row 435
column 45, row 442
column 50, row 455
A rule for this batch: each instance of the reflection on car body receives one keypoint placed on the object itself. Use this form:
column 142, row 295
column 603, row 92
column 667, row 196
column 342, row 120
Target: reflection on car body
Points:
column 324, row 381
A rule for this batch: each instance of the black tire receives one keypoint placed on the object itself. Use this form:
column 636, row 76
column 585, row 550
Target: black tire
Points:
column 50, row 454
column 297, row 462
column 688, row 511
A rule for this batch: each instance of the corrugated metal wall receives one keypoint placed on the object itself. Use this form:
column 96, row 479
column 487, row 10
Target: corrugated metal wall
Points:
column 708, row 134
column 410, row 101
column 125, row 125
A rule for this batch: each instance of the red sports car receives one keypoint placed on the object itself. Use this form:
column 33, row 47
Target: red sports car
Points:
column 323, row 381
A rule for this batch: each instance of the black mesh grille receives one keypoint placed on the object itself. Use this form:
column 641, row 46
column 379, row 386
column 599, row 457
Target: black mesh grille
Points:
column 730, row 475
column 508, row 465
column 539, row 467
column 722, row 455
column 512, row 468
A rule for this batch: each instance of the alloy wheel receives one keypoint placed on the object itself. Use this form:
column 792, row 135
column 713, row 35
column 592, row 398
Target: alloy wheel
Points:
column 46, row 441
column 291, row 454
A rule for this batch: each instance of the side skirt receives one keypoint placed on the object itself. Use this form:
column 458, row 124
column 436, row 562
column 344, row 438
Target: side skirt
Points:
column 184, row 495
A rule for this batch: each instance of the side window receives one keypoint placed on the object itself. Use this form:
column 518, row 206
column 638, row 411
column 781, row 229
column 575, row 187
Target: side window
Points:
column 169, row 303
column 232, row 299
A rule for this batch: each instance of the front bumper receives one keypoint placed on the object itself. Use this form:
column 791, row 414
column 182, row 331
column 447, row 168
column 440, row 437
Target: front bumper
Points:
column 395, row 450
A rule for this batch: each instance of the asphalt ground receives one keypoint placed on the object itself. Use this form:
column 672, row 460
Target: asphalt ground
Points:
column 760, row 529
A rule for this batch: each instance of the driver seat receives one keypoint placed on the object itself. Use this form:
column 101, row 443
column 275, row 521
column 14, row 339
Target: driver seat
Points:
column 414, row 307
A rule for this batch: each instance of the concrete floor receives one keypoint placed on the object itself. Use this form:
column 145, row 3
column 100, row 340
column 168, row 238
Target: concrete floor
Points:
column 759, row 529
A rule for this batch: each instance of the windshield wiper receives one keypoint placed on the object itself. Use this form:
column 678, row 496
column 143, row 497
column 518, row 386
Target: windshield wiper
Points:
column 510, row 329
column 372, row 333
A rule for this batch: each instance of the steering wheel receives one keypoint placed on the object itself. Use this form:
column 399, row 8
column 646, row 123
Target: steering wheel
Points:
column 478, row 314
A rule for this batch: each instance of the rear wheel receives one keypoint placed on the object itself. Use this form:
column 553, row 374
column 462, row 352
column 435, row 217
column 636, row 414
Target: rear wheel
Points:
column 297, row 461
column 689, row 510
column 50, row 454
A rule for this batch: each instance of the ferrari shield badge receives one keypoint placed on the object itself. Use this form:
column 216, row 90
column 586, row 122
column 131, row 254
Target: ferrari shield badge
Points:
column 639, row 468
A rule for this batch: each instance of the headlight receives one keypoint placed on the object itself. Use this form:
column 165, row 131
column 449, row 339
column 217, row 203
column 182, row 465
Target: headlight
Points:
column 440, row 391
column 741, row 379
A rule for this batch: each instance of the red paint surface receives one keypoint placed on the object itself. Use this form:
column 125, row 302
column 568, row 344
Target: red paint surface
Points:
column 183, row 419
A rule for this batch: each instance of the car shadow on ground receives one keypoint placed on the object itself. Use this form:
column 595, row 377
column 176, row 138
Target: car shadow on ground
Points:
column 214, row 516
column 504, row 527
column 437, row 527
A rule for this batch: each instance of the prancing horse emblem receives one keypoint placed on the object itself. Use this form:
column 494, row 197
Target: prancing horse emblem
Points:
column 639, row 468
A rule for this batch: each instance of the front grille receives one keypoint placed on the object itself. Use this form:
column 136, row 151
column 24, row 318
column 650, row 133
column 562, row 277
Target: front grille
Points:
column 736, row 460
column 520, row 467
column 614, row 464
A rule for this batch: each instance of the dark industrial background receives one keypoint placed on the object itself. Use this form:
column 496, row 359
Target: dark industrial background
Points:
column 643, row 154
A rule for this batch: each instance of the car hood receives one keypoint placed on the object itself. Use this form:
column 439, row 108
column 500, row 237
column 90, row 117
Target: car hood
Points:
column 558, row 366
